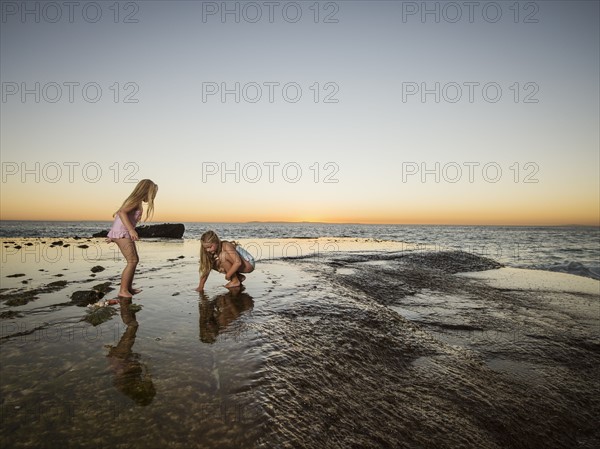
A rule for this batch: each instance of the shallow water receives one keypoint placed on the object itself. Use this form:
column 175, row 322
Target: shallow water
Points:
column 571, row 249
column 180, row 372
column 336, row 350
column 176, row 372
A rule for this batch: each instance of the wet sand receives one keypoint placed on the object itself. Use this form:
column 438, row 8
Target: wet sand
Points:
column 348, row 343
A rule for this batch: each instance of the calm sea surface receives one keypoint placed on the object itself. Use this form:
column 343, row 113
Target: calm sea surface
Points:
column 573, row 249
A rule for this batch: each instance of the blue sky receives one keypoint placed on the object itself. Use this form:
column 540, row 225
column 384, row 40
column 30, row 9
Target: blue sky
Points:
column 536, row 121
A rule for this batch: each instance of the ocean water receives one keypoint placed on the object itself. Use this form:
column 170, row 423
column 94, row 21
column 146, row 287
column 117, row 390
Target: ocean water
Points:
column 570, row 249
column 312, row 353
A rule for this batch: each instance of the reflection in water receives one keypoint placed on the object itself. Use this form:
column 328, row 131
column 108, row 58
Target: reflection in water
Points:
column 217, row 313
column 131, row 376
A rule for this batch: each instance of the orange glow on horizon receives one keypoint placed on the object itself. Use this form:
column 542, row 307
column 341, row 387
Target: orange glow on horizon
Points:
column 543, row 210
column 417, row 219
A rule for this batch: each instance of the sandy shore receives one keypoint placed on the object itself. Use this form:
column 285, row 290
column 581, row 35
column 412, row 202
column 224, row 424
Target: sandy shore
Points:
column 346, row 343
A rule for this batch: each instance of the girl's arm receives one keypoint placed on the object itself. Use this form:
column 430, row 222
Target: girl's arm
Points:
column 234, row 258
column 202, row 282
column 122, row 213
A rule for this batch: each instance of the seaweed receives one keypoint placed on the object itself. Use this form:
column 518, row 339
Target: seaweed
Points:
column 23, row 297
column 99, row 315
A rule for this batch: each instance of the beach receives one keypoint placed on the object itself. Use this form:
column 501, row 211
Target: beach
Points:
column 333, row 343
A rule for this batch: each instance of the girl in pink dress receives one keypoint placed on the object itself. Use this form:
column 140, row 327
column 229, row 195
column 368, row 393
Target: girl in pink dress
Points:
column 123, row 231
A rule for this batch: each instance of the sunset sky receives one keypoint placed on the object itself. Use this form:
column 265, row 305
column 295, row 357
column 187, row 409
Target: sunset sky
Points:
column 347, row 111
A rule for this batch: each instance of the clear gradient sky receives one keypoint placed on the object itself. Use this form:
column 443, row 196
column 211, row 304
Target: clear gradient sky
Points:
column 520, row 145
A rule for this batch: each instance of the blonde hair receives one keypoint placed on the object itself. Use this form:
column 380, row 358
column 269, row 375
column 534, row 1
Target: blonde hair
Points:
column 145, row 190
column 206, row 260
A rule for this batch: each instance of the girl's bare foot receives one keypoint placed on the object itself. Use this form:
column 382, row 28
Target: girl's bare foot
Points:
column 135, row 291
column 124, row 295
column 233, row 283
column 241, row 277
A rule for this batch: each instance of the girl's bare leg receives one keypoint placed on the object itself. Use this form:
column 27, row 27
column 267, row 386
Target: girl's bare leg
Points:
column 129, row 250
column 245, row 268
column 224, row 267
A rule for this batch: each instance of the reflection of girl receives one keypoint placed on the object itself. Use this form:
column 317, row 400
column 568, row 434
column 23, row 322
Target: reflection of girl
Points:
column 220, row 312
column 131, row 376
column 224, row 256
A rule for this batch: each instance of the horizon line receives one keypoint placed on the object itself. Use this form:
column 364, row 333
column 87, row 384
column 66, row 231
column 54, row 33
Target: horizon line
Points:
column 324, row 222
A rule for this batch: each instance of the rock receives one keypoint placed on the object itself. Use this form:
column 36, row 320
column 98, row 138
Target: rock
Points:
column 84, row 297
column 165, row 230
column 56, row 285
column 10, row 314
column 97, row 269
column 103, row 288
column 57, row 243
column 18, row 275
column 83, row 246
column 19, row 299
column 452, row 261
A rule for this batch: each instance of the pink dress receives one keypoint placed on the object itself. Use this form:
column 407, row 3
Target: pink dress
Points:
column 118, row 229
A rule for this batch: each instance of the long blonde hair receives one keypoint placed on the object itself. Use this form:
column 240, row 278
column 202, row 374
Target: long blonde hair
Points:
column 207, row 260
column 145, row 190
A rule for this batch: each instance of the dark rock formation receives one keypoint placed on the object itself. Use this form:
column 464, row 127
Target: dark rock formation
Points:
column 103, row 288
column 165, row 230
column 84, row 297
